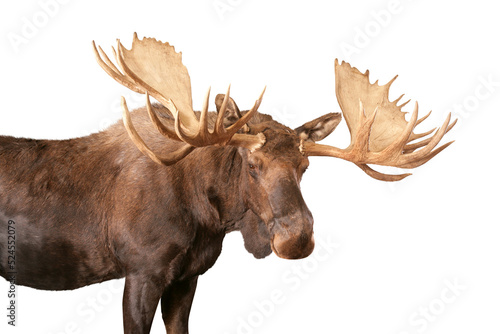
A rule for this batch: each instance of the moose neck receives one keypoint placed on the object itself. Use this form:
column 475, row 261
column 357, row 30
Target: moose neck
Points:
column 213, row 176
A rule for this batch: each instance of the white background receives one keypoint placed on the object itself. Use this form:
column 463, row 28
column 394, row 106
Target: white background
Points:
column 396, row 247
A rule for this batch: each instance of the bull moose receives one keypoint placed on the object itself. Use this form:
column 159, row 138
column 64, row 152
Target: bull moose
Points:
column 152, row 197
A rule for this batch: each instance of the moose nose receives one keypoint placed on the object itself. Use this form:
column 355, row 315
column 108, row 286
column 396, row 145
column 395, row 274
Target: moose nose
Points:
column 296, row 247
column 293, row 238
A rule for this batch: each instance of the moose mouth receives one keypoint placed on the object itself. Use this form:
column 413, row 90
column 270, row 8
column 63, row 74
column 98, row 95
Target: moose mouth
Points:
column 296, row 247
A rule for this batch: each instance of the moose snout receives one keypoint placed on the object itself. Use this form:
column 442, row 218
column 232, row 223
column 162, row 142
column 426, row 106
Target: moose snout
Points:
column 292, row 235
column 293, row 248
column 293, row 240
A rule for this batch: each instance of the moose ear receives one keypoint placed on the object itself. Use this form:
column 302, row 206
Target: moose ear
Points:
column 232, row 111
column 319, row 128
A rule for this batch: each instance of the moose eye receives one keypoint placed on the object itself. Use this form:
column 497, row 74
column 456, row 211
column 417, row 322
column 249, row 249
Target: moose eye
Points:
column 253, row 170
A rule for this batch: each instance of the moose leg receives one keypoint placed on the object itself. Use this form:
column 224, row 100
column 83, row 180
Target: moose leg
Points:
column 176, row 305
column 140, row 300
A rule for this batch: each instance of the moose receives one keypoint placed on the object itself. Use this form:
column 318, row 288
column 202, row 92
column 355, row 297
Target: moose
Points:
column 151, row 197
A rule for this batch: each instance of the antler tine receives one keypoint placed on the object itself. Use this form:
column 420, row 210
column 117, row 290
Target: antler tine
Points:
column 219, row 123
column 108, row 66
column 404, row 103
column 244, row 120
column 381, row 176
column 414, row 136
column 165, row 131
column 423, row 118
column 399, row 98
column 180, row 132
column 115, row 54
column 203, row 127
column 141, row 145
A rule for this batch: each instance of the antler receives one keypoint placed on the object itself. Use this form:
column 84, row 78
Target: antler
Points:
column 154, row 68
column 379, row 132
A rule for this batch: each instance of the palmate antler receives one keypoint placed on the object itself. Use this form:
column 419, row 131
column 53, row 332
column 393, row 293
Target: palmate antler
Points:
column 379, row 132
column 154, row 68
